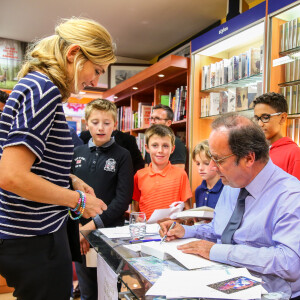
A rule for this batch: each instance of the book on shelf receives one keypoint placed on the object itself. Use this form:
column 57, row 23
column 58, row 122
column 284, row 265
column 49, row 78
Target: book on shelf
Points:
column 259, row 85
column 252, row 92
column 294, row 99
column 214, row 104
column 242, row 65
column 145, row 116
column 223, row 102
column 286, row 36
column 231, row 99
column 294, row 42
column 298, row 32
column 254, row 61
column 212, row 75
column 291, row 31
column 282, row 37
column 289, row 98
column 261, row 58
column 241, row 98
column 143, row 108
column 218, row 71
column 164, row 99
column 235, row 68
column 230, row 69
column 140, row 141
column 298, row 99
column 224, row 71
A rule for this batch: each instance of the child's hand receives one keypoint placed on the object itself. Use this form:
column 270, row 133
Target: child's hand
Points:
column 79, row 184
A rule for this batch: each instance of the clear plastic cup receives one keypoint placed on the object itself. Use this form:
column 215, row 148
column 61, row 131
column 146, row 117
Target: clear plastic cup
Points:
column 137, row 225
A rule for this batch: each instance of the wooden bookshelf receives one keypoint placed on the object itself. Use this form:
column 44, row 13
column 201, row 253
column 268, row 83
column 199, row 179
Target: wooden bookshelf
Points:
column 149, row 87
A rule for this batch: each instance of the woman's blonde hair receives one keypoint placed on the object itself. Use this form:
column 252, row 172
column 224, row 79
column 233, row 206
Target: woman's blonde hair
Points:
column 49, row 55
column 103, row 105
column 202, row 146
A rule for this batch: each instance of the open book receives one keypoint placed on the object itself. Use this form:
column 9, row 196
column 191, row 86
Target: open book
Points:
column 169, row 249
column 203, row 212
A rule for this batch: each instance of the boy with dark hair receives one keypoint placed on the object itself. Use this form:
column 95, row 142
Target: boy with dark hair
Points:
column 160, row 184
column 270, row 112
column 163, row 114
column 107, row 168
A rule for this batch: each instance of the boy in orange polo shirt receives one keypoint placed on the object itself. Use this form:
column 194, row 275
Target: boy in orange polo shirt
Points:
column 160, row 184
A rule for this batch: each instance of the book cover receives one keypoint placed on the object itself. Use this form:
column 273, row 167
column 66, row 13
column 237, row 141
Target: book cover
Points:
column 208, row 78
column 241, row 98
column 255, row 61
column 212, row 75
column 252, row 92
column 235, row 68
column 204, row 212
column 259, row 85
column 214, row 104
column 282, row 32
column 289, row 98
column 164, row 99
column 287, row 72
column 223, row 102
column 230, row 69
column 261, row 58
column 294, row 42
column 242, row 65
column 298, row 99
column 298, row 32
column 286, row 36
column 225, row 71
column 218, row 71
column 231, row 99
column 294, row 99
column 291, row 30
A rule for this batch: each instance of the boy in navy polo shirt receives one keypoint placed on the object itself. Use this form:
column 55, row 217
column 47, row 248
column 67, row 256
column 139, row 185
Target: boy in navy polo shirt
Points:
column 208, row 193
column 107, row 168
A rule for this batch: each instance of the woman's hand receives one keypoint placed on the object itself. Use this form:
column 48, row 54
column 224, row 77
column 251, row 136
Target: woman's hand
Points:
column 79, row 184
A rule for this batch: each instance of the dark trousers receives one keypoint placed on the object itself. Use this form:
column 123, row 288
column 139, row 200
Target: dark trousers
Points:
column 39, row 267
column 87, row 279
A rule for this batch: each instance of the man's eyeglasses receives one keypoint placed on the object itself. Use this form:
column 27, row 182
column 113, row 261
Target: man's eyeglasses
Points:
column 265, row 118
column 217, row 161
column 157, row 119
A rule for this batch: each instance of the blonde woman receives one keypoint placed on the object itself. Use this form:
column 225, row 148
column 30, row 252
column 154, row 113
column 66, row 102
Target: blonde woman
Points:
column 36, row 153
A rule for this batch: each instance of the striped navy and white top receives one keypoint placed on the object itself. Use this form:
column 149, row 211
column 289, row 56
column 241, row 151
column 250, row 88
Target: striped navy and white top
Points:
column 33, row 116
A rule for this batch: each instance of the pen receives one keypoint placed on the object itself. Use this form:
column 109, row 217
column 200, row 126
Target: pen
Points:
column 171, row 227
column 144, row 241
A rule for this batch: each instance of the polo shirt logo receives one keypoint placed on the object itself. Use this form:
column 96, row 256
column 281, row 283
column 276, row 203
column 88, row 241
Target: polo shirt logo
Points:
column 78, row 161
column 110, row 165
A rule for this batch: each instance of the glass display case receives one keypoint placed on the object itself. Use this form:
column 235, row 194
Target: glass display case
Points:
column 227, row 73
column 283, row 58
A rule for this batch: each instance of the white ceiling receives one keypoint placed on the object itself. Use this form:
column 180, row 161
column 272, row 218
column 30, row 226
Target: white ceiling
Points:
column 141, row 29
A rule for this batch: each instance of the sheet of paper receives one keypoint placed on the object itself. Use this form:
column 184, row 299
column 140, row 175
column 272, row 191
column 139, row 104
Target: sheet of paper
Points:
column 107, row 281
column 123, row 231
column 159, row 214
column 196, row 284
column 133, row 247
column 163, row 251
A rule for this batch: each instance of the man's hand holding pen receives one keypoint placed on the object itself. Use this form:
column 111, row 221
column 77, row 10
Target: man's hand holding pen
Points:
column 176, row 232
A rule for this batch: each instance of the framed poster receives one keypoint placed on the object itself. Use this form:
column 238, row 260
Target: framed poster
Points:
column 117, row 73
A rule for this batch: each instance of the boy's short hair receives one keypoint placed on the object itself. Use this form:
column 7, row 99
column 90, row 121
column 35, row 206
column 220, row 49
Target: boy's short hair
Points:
column 202, row 146
column 167, row 109
column 3, row 97
column 275, row 100
column 103, row 105
column 160, row 130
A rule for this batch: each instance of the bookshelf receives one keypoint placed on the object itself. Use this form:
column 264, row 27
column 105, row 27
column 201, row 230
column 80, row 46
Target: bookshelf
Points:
column 230, row 45
column 283, row 60
column 146, row 89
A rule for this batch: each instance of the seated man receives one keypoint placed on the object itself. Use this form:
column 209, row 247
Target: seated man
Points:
column 257, row 222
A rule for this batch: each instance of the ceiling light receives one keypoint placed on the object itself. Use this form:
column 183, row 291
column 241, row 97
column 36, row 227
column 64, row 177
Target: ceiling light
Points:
column 161, row 75
column 115, row 97
column 135, row 88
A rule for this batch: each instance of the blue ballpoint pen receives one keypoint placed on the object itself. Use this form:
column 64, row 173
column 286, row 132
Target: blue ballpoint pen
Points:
column 144, row 241
column 171, row 227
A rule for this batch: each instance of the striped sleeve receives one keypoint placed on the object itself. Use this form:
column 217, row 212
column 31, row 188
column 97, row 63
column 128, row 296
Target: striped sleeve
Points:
column 30, row 114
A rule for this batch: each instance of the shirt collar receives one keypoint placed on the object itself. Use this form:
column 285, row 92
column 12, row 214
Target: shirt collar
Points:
column 92, row 146
column 256, row 186
column 162, row 173
column 216, row 188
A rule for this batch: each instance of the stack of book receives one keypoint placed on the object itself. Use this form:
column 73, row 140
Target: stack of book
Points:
column 292, row 70
column 235, row 68
column 124, row 118
column 234, row 99
column 141, row 118
column 290, row 35
column 178, row 103
column 292, row 96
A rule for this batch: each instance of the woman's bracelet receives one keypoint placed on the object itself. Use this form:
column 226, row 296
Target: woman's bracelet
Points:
column 79, row 209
